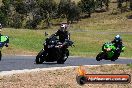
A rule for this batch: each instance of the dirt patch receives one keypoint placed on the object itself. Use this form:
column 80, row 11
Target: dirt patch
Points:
column 65, row 78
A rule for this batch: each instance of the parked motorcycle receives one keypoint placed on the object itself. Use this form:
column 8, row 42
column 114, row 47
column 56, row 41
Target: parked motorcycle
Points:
column 108, row 52
column 54, row 51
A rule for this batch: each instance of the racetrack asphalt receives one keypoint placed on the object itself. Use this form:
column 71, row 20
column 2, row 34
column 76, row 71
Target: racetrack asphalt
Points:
column 9, row 63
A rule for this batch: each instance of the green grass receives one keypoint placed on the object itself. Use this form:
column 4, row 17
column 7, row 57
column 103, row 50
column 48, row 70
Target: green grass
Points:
column 129, row 65
column 87, row 42
column 25, row 39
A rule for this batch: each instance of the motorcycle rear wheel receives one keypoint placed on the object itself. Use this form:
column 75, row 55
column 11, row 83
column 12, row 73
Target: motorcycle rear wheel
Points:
column 63, row 58
column 115, row 57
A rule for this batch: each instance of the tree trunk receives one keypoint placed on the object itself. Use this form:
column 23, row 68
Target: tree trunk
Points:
column 130, row 4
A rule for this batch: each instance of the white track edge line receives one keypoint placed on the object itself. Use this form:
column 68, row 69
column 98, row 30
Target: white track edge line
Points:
column 9, row 73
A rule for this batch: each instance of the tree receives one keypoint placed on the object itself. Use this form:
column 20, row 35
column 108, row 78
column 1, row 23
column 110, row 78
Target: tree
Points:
column 17, row 20
column 106, row 2
column 30, row 5
column 63, row 7
column 35, row 18
column 87, row 6
column 3, row 18
column 119, row 4
column 48, row 9
column 73, row 13
column 7, row 3
column 130, row 4
column 69, row 10
column 101, row 4
column 21, row 7
column 5, row 11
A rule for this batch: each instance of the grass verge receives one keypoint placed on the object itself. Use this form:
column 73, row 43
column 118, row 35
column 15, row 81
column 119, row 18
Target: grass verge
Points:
column 87, row 42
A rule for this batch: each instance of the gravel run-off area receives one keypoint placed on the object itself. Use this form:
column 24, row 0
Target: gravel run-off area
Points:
column 63, row 78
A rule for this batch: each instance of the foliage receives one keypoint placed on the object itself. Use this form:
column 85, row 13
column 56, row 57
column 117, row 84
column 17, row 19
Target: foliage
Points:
column 87, row 6
column 17, row 20
column 73, row 13
column 30, row 13
column 131, row 5
column 3, row 18
column 69, row 10
column 20, row 7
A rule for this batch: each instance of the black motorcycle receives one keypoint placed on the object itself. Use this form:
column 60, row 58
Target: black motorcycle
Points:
column 54, row 51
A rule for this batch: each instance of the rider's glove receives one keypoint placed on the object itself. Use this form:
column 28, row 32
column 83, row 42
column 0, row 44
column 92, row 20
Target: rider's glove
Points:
column 60, row 46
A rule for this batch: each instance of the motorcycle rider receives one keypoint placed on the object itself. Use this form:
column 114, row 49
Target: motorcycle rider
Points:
column 63, row 35
column 118, row 44
column 4, row 40
column 7, row 41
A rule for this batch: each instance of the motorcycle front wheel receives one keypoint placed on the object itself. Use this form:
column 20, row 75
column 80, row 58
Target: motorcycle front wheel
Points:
column 99, row 56
column 40, row 57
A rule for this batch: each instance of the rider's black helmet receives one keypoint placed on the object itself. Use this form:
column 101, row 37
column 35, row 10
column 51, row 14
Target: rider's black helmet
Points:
column 118, row 38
